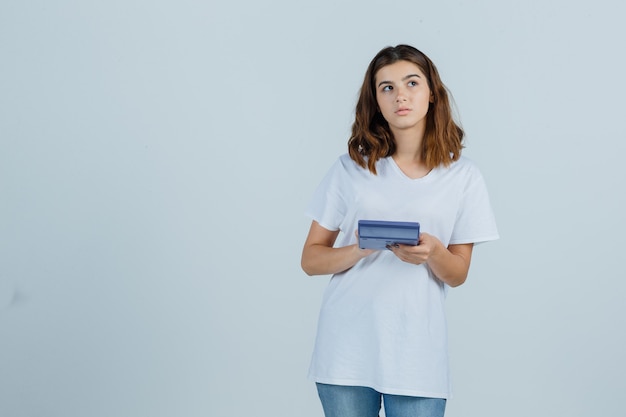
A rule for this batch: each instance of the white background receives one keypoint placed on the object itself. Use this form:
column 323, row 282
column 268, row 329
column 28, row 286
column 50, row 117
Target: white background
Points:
column 156, row 158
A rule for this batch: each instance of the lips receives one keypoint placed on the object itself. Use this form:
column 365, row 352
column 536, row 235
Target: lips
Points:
column 403, row 111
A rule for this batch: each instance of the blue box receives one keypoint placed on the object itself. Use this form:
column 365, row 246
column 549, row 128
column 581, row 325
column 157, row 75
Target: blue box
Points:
column 377, row 234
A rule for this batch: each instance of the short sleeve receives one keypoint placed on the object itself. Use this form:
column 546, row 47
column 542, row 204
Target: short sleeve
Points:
column 327, row 206
column 475, row 221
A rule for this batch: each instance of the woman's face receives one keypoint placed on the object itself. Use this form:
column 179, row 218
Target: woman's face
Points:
column 403, row 96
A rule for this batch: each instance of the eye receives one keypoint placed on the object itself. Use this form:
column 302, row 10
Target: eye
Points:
column 413, row 83
column 387, row 88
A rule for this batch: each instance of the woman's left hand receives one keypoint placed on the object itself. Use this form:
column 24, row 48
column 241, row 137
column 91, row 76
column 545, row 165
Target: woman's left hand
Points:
column 449, row 264
column 427, row 247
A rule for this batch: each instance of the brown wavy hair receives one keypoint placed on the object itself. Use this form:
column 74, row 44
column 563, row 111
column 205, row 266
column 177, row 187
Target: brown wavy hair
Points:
column 371, row 138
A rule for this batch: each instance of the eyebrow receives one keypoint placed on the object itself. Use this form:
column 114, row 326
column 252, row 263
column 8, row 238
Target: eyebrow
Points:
column 403, row 79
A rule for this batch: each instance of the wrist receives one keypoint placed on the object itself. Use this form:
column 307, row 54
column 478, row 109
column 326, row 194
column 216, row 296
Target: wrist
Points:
column 361, row 253
column 437, row 252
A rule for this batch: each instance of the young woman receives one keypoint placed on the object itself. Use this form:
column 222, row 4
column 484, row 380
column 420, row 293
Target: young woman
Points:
column 382, row 328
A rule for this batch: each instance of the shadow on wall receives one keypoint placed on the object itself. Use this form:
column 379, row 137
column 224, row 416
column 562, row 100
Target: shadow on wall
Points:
column 11, row 296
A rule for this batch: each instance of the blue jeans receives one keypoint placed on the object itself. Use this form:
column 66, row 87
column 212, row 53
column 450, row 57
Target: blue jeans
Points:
column 347, row 401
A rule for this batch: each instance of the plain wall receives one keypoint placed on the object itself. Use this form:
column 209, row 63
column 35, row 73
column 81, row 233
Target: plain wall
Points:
column 156, row 158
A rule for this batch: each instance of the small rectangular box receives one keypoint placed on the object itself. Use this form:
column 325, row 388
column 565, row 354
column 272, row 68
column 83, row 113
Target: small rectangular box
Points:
column 377, row 234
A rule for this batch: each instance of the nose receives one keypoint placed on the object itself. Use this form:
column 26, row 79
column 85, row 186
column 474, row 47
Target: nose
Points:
column 400, row 97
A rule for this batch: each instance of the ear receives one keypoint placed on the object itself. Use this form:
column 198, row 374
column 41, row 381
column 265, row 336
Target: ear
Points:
column 431, row 98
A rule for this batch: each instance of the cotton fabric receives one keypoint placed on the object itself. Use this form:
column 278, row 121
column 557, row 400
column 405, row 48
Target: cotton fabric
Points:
column 382, row 322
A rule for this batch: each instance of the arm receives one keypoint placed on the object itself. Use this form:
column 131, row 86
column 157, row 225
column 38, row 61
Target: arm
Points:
column 319, row 257
column 450, row 264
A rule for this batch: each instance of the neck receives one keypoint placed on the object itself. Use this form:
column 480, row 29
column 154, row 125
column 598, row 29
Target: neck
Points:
column 408, row 145
column 408, row 154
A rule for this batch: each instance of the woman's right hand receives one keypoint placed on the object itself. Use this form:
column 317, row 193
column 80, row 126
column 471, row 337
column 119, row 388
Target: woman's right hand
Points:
column 319, row 257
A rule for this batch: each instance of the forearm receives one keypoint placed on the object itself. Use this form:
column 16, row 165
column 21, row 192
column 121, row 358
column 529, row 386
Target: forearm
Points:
column 449, row 266
column 323, row 260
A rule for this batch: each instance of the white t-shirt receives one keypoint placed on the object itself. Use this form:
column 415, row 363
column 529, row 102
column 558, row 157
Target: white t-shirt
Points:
column 382, row 322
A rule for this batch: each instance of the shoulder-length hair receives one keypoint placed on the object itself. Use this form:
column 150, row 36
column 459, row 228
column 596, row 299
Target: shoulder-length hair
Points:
column 371, row 138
